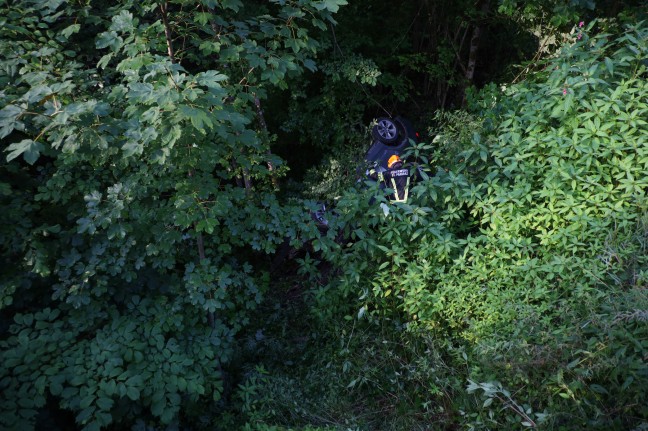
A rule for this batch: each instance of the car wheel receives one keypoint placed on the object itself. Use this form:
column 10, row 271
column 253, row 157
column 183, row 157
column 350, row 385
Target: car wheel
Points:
column 385, row 131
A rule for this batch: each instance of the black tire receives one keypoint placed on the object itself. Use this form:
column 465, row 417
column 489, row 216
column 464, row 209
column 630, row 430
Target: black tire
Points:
column 385, row 131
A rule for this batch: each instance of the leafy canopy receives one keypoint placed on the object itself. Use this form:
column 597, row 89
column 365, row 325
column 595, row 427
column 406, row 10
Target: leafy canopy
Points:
column 133, row 252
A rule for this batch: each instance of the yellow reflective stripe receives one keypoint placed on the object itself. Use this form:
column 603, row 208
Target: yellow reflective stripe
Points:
column 406, row 190
column 396, row 197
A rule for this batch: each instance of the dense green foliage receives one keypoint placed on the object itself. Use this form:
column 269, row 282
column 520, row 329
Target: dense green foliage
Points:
column 529, row 250
column 511, row 291
column 129, row 249
column 154, row 277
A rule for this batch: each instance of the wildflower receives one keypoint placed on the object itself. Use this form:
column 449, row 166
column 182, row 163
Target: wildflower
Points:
column 582, row 23
column 564, row 91
column 579, row 36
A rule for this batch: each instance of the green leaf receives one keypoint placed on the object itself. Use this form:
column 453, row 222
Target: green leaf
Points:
column 70, row 30
column 103, row 61
column 157, row 408
column 8, row 119
column 211, row 79
column 87, row 401
column 56, row 388
column 141, row 92
column 334, row 5
column 123, row 22
column 557, row 111
column 133, row 393
column 362, row 311
column 627, row 383
column 85, row 414
column 105, row 403
column 29, row 149
column 310, row 65
column 275, row 76
column 182, row 384
column 28, row 319
column 109, row 39
column 319, row 24
column 330, row 5
column 134, row 380
column 69, row 393
column 598, row 389
column 37, row 93
column 234, row 5
column 198, row 117
column 110, row 388
column 207, row 225
column 132, row 148
column 609, row 64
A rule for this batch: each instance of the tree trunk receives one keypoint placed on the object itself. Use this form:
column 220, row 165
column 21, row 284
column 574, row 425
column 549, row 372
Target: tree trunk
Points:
column 474, row 46
column 199, row 237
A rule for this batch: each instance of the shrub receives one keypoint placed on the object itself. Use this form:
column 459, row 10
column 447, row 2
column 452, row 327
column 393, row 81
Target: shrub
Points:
column 517, row 250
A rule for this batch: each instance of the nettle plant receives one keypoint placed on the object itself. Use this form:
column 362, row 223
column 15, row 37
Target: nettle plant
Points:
column 138, row 197
column 512, row 241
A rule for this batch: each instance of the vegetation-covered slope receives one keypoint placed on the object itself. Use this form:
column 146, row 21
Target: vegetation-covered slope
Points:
column 141, row 221
column 527, row 248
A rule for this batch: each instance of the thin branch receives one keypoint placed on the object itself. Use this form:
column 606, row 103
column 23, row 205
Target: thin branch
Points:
column 246, row 76
column 335, row 42
column 167, row 31
column 513, row 406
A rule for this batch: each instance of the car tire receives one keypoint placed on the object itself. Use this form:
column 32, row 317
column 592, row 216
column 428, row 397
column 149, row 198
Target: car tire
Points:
column 385, row 131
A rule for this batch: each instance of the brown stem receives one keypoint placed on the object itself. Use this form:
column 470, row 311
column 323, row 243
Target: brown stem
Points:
column 472, row 56
column 246, row 179
column 461, row 45
column 510, row 404
column 167, row 31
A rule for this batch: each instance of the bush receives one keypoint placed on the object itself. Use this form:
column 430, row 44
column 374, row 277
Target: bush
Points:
column 523, row 246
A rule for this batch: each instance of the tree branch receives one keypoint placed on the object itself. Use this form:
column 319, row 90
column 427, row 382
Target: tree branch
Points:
column 167, row 31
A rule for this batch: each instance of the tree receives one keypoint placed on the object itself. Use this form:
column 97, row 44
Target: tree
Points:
column 133, row 254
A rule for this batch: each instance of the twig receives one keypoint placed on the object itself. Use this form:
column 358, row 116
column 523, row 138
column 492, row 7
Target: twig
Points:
column 512, row 405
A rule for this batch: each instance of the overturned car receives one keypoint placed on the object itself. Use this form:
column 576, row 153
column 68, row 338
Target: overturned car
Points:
column 390, row 138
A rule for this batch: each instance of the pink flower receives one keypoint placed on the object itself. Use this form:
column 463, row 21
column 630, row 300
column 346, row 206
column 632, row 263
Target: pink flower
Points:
column 582, row 23
column 564, row 91
column 579, row 36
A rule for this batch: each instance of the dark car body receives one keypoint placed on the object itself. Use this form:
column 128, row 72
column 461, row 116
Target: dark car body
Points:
column 395, row 136
column 382, row 149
